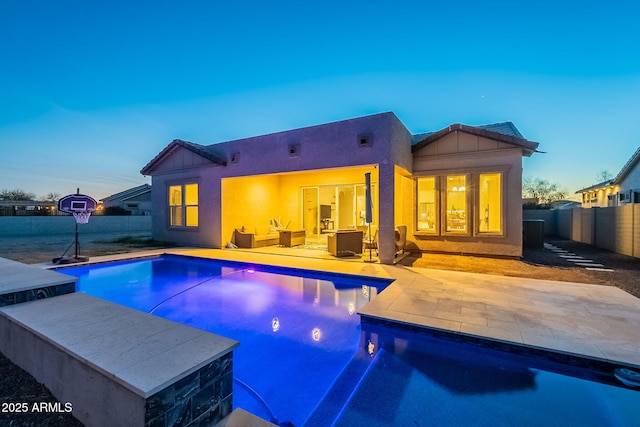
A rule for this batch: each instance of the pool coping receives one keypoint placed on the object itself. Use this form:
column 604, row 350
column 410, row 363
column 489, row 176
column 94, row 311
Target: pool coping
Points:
column 595, row 322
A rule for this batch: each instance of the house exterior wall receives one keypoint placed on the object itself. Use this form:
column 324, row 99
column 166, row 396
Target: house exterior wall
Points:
column 629, row 187
column 631, row 181
column 600, row 197
column 462, row 153
column 334, row 145
column 282, row 163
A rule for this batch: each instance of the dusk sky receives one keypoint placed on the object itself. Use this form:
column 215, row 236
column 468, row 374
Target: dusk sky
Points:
column 90, row 91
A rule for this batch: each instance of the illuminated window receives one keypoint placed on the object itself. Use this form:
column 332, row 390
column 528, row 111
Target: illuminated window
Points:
column 490, row 197
column 456, row 204
column 465, row 204
column 427, row 208
column 183, row 205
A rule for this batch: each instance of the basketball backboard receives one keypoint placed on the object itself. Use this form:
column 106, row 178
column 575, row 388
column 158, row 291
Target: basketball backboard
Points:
column 77, row 203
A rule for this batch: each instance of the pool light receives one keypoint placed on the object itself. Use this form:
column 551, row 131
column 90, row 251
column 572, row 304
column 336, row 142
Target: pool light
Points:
column 351, row 308
column 275, row 324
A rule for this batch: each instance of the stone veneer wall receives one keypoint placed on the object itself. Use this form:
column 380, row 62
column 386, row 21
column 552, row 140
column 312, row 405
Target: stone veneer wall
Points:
column 201, row 398
column 18, row 297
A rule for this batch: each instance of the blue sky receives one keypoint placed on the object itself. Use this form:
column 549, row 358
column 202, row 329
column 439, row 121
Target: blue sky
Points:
column 90, row 91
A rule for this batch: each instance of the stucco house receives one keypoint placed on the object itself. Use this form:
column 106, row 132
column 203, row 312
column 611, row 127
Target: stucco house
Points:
column 456, row 190
column 621, row 190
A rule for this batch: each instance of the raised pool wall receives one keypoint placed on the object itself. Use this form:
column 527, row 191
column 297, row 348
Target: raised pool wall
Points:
column 116, row 366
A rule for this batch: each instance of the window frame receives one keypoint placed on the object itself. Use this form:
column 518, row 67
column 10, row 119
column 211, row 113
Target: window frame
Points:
column 472, row 200
column 435, row 231
column 183, row 207
column 444, row 196
column 503, row 205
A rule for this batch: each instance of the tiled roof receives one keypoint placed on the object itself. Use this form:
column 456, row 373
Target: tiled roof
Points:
column 505, row 132
column 505, row 128
column 201, row 150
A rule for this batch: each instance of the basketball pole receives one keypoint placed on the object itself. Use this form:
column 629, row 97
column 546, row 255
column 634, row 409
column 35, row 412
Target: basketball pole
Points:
column 77, row 248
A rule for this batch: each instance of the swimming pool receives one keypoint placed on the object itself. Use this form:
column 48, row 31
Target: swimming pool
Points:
column 304, row 356
column 296, row 333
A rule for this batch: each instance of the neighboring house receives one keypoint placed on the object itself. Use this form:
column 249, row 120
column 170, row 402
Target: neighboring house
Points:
column 27, row 207
column 621, row 190
column 136, row 200
column 457, row 190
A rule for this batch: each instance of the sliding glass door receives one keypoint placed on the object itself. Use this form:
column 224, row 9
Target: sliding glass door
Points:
column 334, row 207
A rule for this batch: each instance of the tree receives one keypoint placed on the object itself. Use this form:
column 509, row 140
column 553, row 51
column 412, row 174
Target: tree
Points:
column 16, row 195
column 542, row 190
column 51, row 197
column 604, row 175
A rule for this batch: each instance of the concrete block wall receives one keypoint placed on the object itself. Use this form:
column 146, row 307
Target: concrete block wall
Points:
column 615, row 228
column 624, row 220
column 605, row 225
column 564, row 218
column 47, row 225
column 549, row 217
column 587, row 226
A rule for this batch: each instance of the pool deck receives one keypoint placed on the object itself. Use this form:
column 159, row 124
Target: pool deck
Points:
column 583, row 320
column 592, row 321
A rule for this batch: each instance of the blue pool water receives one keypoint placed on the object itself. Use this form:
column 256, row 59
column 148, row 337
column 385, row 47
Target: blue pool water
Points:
column 296, row 333
column 306, row 358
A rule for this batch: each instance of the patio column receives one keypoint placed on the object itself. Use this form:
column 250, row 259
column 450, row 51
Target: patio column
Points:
column 386, row 228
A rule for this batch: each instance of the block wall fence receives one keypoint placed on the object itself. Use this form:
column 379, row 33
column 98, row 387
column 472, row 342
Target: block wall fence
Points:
column 615, row 228
column 48, row 225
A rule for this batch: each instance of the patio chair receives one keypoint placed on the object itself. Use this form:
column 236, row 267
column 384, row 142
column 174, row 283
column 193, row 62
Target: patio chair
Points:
column 345, row 243
column 371, row 243
column 401, row 238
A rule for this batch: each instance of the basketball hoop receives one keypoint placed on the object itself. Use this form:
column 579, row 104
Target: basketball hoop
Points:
column 82, row 217
column 80, row 206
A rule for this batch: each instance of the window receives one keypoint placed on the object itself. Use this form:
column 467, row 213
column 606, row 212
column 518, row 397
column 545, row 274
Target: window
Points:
column 427, row 208
column 456, row 202
column 460, row 204
column 490, row 197
column 183, row 205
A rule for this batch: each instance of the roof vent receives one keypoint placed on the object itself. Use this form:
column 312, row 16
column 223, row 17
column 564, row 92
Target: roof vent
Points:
column 365, row 140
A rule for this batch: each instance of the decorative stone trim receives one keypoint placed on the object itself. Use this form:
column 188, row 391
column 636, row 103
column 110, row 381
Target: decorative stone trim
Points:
column 203, row 397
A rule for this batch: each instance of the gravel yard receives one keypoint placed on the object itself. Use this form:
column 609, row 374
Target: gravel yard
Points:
column 17, row 386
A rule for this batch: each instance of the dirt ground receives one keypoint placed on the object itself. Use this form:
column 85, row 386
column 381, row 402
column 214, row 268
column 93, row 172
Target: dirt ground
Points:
column 18, row 386
column 41, row 249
